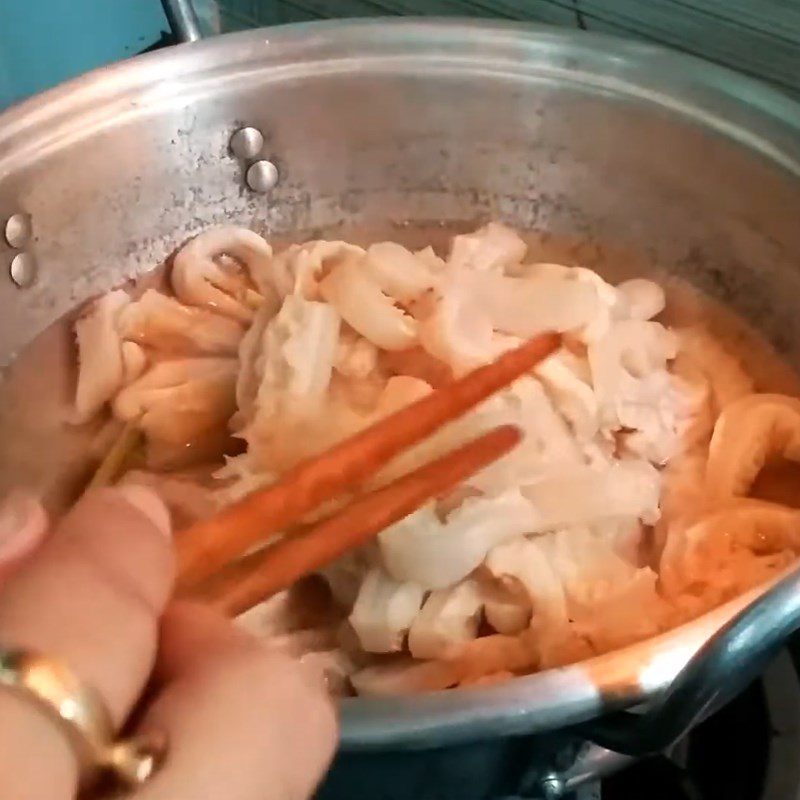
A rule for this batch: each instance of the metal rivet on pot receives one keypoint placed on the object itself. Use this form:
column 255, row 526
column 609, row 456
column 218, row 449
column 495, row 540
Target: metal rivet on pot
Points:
column 18, row 230
column 246, row 143
column 262, row 176
column 23, row 270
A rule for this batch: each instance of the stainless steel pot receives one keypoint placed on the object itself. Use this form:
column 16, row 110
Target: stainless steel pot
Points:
column 585, row 136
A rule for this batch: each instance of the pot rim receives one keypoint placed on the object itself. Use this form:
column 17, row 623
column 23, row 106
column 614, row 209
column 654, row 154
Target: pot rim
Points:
column 758, row 117
column 706, row 92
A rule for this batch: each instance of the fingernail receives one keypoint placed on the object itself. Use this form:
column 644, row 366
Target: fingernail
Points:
column 150, row 504
column 23, row 523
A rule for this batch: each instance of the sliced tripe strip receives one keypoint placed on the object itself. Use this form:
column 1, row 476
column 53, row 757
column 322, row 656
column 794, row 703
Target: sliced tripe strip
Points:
column 101, row 369
column 645, row 299
column 134, row 361
column 632, row 351
column 527, row 306
column 179, row 401
column 384, row 611
column 459, row 332
column 449, row 618
column 364, row 306
column 251, row 365
column 581, row 495
column 398, row 271
column 356, row 357
column 292, row 365
column 720, row 553
column 483, row 656
column 525, row 560
column 572, row 396
column 746, row 434
column 199, row 280
column 549, row 443
column 507, row 605
column 492, row 248
column 299, row 269
column 162, row 323
column 437, row 555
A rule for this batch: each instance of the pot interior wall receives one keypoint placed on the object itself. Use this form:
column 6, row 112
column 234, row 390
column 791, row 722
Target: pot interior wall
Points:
column 111, row 198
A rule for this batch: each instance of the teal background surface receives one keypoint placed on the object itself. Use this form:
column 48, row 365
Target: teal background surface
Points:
column 43, row 42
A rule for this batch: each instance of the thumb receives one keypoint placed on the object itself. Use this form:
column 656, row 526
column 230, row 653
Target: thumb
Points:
column 23, row 527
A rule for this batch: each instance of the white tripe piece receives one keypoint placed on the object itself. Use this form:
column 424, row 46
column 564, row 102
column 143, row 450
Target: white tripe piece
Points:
column 459, row 331
column 579, row 495
column 634, row 388
column 178, row 401
column 580, row 587
column 365, row 291
column 300, row 267
column 293, row 363
column 526, row 307
column 571, row 393
column 436, row 554
column 645, row 299
column 361, row 301
column 611, row 306
column 101, row 368
column 298, row 351
column 507, row 606
column 525, row 560
column 384, row 611
column 399, row 272
column 623, row 534
column 449, row 618
column 251, row 365
column 356, row 357
column 202, row 277
column 161, row 322
column 428, row 256
column 492, row 248
column 549, row 444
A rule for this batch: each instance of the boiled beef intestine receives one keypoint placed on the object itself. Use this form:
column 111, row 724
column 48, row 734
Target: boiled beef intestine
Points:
column 623, row 511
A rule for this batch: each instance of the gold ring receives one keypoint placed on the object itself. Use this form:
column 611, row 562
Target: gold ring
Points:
column 83, row 717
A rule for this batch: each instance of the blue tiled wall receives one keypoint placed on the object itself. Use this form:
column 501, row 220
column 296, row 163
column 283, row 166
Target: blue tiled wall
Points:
column 43, row 42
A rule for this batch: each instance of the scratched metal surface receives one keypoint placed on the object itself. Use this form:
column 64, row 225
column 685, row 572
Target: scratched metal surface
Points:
column 758, row 37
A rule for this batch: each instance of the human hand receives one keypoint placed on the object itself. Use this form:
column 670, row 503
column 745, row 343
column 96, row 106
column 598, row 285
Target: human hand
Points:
column 242, row 723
